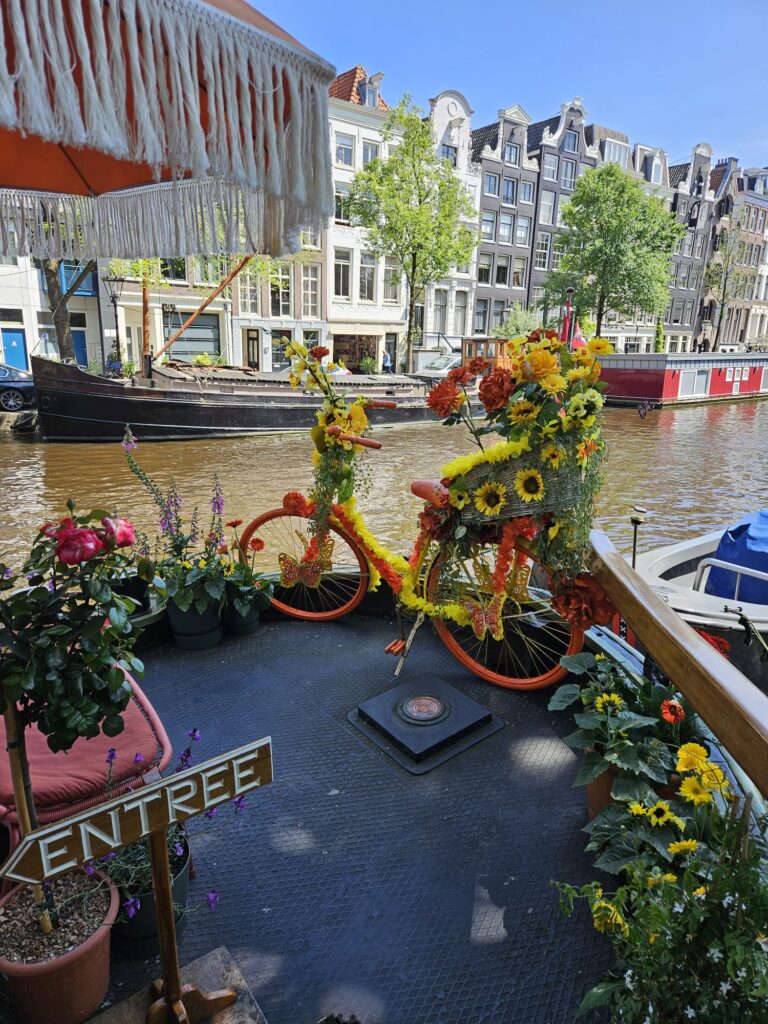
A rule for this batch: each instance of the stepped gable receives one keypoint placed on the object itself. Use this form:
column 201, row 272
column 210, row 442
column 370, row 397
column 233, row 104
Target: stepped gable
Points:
column 347, row 87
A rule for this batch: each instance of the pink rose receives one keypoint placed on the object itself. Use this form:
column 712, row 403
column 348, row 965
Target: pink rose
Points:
column 120, row 531
column 76, row 544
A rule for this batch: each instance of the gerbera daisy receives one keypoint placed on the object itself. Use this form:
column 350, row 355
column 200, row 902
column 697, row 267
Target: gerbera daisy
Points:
column 529, row 485
column 523, row 411
column 234, row 523
column 578, row 373
column 458, row 498
column 552, row 455
column 693, row 791
column 490, row 498
column 659, row 813
column 711, row 777
column 682, row 846
column 554, row 384
column 608, row 700
column 691, row 757
column 256, row 544
column 672, row 711
column 599, row 347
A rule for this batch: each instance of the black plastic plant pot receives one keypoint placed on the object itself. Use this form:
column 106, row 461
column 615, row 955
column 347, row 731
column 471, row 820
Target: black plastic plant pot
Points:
column 136, row 937
column 194, row 630
column 242, row 625
column 133, row 586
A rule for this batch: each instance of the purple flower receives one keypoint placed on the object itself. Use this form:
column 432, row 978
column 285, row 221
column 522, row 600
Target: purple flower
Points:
column 213, row 898
column 239, row 803
column 7, row 574
column 178, row 849
column 128, row 444
column 131, row 906
column 185, row 759
column 111, row 756
column 109, row 856
column 194, row 734
column 49, row 585
column 138, row 759
column 211, row 812
column 47, row 887
column 89, row 867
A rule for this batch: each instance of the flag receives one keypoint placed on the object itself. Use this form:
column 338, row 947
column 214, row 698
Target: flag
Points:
column 566, row 327
column 579, row 341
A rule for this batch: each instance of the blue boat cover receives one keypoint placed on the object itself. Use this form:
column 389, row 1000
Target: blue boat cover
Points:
column 745, row 543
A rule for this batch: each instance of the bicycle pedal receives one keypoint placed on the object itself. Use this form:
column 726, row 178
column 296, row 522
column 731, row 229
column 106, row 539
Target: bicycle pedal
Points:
column 396, row 647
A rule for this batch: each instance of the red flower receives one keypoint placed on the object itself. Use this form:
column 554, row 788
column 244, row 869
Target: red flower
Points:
column 495, row 389
column 445, row 398
column 523, row 526
column 75, row 544
column 718, row 642
column 583, row 602
column 463, row 375
column 234, row 523
column 256, row 544
column 297, row 505
column 435, row 522
column 672, row 711
column 223, row 549
column 319, row 351
column 119, row 531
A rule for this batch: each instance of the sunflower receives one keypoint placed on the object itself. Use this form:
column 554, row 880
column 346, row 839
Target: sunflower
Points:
column 578, row 373
column 693, row 791
column 659, row 813
column 554, row 384
column 490, row 498
column 528, row 485
column 551, row 455
column 599, row 347
column 637, row 810
column 458, row 498
column 523, row 411
column 608, row 700
column 691, row 757
column 682, row 846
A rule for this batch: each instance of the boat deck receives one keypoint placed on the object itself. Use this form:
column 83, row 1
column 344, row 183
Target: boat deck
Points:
column 351, row 886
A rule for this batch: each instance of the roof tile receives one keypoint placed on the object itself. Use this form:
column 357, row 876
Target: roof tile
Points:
column 347, row 87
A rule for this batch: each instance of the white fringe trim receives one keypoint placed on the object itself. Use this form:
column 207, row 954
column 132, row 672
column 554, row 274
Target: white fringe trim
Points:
column 174, row 54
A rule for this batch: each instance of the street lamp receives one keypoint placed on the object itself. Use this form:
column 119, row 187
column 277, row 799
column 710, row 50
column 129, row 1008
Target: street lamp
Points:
column 114, row 286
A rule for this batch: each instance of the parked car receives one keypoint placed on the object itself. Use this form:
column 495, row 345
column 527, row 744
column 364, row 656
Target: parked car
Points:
column 438, row 368
column 17, row 388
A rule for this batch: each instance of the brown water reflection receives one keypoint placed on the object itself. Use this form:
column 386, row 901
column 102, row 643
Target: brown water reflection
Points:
column 694, row 469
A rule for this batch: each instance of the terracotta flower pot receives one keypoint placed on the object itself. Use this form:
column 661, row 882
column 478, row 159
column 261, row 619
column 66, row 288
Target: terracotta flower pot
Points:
column 599, row 791
column 67, row 988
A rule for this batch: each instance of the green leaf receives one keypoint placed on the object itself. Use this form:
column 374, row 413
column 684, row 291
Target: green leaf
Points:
column 460, row 531
column 659, row 838
column 578, row 664
column 112, row 726
column 627, row 757
column 591, row 767
column 146, row 569
column 588, row 719
column 615, row 860
column 564, row 696
column 117, row 617
column 600, row 995
column 629, row 720
column 632, row 791
column 581, row 739
column 55, row 658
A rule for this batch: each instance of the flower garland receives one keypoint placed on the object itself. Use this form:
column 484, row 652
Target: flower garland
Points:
column 504, row 555
column 498, row 453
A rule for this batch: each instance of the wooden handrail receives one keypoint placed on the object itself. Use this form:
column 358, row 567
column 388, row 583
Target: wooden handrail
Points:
column 733, row 708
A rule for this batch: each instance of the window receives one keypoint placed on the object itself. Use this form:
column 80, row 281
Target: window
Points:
column 441, row 310
column 491, row 184
column 550, row 167
column 345, row 148
column 449, row 153
column 342, row 263
column 571, row 142
column 526, row 192
column 677, row 311
column 541, row 256
column 310, row 239
column 367, row 277
column 370, row 152
column 537, row 298
column 523, row 233
column 460, row 314
column 209, row 269
column 12, row 316
column 506, row 227
column 683, row 273
column 509, row 192
column 699, row 246
column 488, row 225
column 547, row 209
column 173, row 269
column 310, row 338
column 615, row 153
column 688, row 315
column 392, row 277
column 369, row 94
column 512, row 154
column 568, row 174
column 682, row 207
column 9, row 260
column 756, row 255
column 762, row 221
column 481, row 316
column 656, row 171
column 688, row 244
column 755, row 214
column 497, row 319
column 695, row 280
column 502, row 270
column 310, row 291
column 484, row 267
column 518, row 272
column 250, row 292
column 341, row 212
column 557, row 255
column 280, row 291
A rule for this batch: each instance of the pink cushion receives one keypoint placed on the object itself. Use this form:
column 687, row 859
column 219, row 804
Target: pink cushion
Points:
column 81, row 773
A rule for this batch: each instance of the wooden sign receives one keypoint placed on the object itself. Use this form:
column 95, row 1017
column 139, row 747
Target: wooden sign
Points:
column 71, row 842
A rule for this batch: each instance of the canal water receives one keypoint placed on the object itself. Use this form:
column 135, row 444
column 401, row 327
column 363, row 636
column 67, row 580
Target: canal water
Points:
column 694, row 469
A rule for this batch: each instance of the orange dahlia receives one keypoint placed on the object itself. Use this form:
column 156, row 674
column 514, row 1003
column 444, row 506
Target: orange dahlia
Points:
column 495, row 389
column 445, row 399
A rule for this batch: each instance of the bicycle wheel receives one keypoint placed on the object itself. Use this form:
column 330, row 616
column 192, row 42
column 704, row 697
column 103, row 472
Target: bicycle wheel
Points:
column 315, row 593
column 535, row 637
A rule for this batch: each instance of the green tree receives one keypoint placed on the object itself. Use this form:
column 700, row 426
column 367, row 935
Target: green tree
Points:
column 58, row 300
column 519, row 321
column 412, row 207
column 727, row 277
column 616, row 249
column 658, row 341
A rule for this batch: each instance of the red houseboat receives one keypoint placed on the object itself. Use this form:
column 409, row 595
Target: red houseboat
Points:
column 676, row 378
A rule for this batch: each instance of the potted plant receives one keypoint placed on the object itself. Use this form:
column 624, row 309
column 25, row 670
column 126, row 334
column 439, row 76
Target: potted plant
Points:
column 189, row 578
column 248, row 592
column 627, row 729
column 66, row 644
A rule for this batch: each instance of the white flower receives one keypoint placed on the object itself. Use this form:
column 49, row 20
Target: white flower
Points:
column 728, row 900
column 741, row 974
column 725, row 987
column 678, row 908
column 715, row 1003
column 628, row 980
column 689, row 1012
column 715, row 953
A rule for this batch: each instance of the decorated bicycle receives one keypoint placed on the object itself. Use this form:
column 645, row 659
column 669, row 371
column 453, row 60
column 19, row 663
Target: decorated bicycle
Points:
column 498, row 560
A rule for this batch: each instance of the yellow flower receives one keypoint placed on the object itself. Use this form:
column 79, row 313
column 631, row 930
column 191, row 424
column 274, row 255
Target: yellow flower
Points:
column 669, row 877
column 608, row 918
column 186, row 565
column 228, row 569
column 202, row 563
column 677, row 821
column 659, row 813
column 701, row 891
column 600, row 657
column 490, row 498
column 585, row 449
column 578, row 373
column 500, row 452
column 550, row 429
column 608, row 700
column 523, row 411
column 529, row 485
column 358, row 421
column 599, row 347
column 540, row 363
column 637, row 809
column 593, row 398
column 554, row 529
column 682, row 846
column 711, row 777
column 577, row 407
column 652, row 938
column 554, row 384
column 458, row 498
column 691, row 757
column 552, row 455
column 693, row 791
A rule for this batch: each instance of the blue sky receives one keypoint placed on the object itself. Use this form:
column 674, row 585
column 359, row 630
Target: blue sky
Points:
column 668, row 74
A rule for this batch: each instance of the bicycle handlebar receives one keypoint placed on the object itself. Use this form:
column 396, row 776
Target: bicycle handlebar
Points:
column 380, row 403
column 365, row 442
